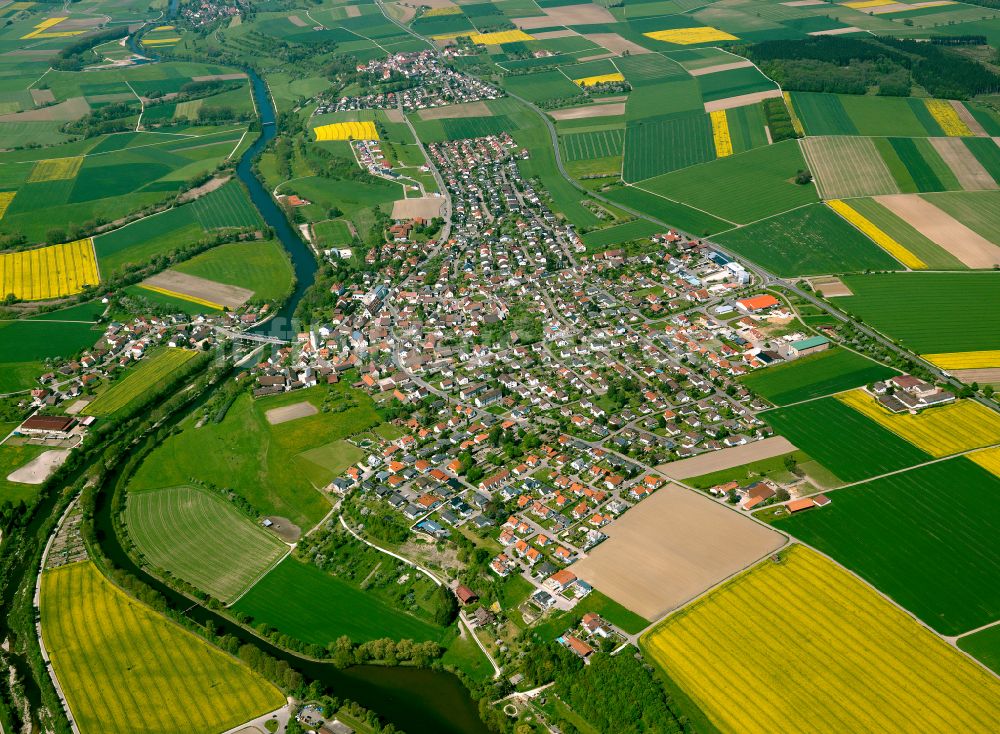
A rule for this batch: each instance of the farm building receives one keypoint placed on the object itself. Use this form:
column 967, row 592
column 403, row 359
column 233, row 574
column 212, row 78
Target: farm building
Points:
column 48, row 425
column 756, row 303
column 811, row 345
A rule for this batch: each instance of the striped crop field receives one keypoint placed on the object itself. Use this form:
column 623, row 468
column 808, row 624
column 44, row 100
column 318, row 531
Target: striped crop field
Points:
column 988, row 459
column 946, row 116
column 600, row 79
column 876, row 235
column 6, row 197
column 851, row 654
column 940, row 431
column 965, row 360
column 489, row 39
column 56, row 169
column 593, row 144
column 49, row 272
column 720, row 134
column 125, row 669
column 847, row 166
column 347, row 131
column 201, row 538
column 150, row 372
column 688, row 36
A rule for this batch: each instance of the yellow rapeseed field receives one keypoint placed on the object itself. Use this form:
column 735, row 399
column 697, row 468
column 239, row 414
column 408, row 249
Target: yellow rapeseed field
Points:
column 127, row 670
column 720, row 133
column 686, row 36
column 796, row 122
column 946, row 116
column 160, row 41
column 49, row 272
column 6, row 197
column 965, row 360
column 600, row 78
column 435, row 12
column 449, row 36
column 857, row 4
column 821, row 652
column 488, row 39
column 879, row 237
column 182, row 296
column 988, row 459
column 42, row 30
column 940, row 431
column 55, row 169
column 347, row 131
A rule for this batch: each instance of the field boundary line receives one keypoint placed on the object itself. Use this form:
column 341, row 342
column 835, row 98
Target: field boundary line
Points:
column 986, row 626
column 690, row 206
column 265, row 572
column 789, row 541
column 238, row 144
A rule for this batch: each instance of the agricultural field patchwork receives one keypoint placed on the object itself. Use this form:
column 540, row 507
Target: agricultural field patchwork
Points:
column 866, row 661
column 856, row 448
column 797, row 243
column 654, row 146
column 937, row 320
column 847, row 166
column 816, row 375
column 201, row 538
column 49, row 272
column 876, row 235
column 940, row 431
column 115, row 657
column 895, row 217
column 942, row 513
column 741, row 188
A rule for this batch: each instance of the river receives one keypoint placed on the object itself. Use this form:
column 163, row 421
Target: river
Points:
column 417, row 700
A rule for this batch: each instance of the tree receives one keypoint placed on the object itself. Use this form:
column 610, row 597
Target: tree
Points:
column 445, row 606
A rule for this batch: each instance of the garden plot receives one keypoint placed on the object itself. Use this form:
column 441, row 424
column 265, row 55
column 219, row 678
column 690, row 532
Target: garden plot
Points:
column 671, row 548
column 972, row 249
column 199, row 290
